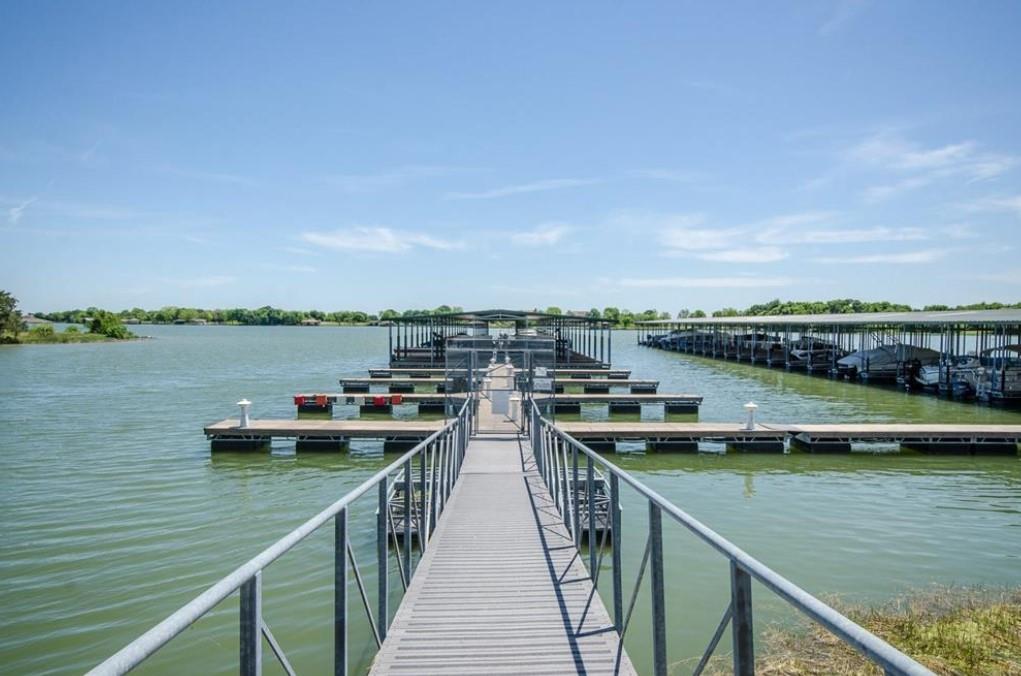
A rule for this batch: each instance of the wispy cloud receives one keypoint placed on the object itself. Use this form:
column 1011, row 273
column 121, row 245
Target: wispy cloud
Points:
column 846, row 235
column 705, row 282
column 669, row 175
column 205, row 282
column 377, row 240
column 307, row 269
column 910, row 166
column 907, row 257
column 522, row 188
column 393, row 178
column 766, row 254
column 1010, row 204
column 841, row 13
column 15, row 213
column 546, row 234
column 210, row 176
column 299, row 251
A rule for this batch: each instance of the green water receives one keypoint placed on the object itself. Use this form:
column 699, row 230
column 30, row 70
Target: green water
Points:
column 114, row 513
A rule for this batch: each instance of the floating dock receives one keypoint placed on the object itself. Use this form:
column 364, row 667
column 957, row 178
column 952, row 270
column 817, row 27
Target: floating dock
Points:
column 772, row 438
column 459, row 384
column 564, row 369
column 317, row 435
column 622, row 403
column 427, row 402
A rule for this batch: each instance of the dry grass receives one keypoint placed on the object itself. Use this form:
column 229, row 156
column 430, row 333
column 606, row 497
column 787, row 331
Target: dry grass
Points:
column 949, row 630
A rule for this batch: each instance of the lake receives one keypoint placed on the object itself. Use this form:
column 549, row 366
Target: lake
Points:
column 114, row 513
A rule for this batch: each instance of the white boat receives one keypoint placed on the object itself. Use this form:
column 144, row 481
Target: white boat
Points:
column 958, row 378
column 1000, row 377
column 805, row 351
column 884, row 362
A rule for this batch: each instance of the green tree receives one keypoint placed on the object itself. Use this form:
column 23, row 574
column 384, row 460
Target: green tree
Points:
column 108, row 324
column 594, row 313
column 611, row 313
column 554, row 310
column 10, row 316
column 698, row 314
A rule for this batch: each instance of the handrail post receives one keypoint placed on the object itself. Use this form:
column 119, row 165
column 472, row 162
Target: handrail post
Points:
column 251, row 626
column 659, row 656
column 615, row 537
column 590, row 497
column 423, row 525
column 407, row 520
column 741, row 628
column 340, row 593
column 576, row 501
column 383, row 613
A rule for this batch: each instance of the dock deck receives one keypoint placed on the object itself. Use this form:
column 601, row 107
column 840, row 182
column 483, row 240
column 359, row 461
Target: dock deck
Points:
column 427, row 371
column 501, row 589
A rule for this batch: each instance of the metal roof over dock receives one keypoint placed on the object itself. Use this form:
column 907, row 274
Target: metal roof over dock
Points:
column 976, row 317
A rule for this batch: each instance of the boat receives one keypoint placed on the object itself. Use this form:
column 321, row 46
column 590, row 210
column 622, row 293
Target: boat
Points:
column 954, row 376
column 813, row 352
column 886, row 362
column 1000, row 377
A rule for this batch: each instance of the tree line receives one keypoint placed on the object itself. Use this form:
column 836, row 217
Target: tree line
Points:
column 622, row 318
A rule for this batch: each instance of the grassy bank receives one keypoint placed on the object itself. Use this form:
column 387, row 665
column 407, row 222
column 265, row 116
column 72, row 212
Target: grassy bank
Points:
column 34, row 338
column 949, row 630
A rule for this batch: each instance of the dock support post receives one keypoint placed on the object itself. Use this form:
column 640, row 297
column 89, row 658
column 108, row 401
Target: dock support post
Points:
column 340, row 593
column 615, row 536
column 659, row 656
column 251, row 626
column 741, row 629
column 383, row 612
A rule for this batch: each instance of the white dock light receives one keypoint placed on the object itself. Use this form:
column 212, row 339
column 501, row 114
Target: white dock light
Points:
column 750, row 408
column 244, row 404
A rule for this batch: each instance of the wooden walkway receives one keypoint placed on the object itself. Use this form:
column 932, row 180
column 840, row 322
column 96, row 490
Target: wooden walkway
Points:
column 501, row 588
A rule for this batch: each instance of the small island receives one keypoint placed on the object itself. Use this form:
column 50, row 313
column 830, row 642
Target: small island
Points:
column 18, row 330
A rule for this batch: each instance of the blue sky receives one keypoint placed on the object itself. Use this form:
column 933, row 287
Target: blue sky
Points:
column 371, row 155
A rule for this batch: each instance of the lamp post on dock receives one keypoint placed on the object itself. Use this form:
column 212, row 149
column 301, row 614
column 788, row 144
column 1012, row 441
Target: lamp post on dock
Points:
column 750, row 409
column 244, row 404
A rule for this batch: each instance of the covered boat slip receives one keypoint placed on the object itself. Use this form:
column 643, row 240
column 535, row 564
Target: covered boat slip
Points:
column 420, row 340
column 974, row 353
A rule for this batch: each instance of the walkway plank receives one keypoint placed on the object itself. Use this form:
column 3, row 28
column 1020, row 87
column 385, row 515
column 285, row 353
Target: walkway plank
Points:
column 501, row 588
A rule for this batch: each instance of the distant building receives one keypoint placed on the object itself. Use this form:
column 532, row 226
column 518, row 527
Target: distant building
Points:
column 32, row 320
column 311, row 321
column 198, row 322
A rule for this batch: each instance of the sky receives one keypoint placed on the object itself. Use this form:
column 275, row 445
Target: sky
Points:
column 524, row 154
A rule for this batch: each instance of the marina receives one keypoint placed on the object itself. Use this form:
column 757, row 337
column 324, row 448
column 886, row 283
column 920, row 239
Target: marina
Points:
column 499, row 499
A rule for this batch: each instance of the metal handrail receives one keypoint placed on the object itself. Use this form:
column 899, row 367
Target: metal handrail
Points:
column 445, row 449
column 557, row 453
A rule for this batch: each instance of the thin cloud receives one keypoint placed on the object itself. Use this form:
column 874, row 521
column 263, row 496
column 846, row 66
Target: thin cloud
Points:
column 668, row 175
column 766, row 254
column 847, row 236
column 210, row 176
column 376, row 240
column 15, row 213
column 373, row 182
column 523, row 188
column 206, row 282
column 843, row 12
column 914, row 166
column 705, row 282
column 543, row 235
column 1002, row 204
column 908, row 257
column 297, row 250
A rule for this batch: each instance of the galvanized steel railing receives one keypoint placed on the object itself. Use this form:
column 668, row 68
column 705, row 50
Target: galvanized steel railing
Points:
column 557, row 458
column 440, row 457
